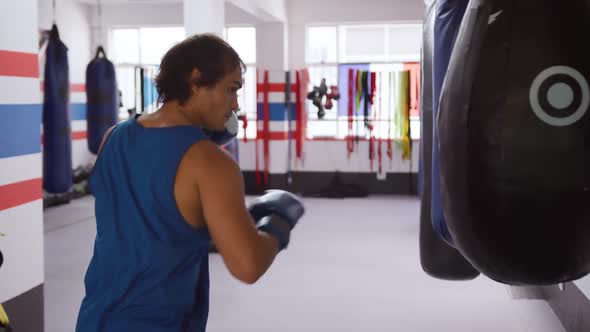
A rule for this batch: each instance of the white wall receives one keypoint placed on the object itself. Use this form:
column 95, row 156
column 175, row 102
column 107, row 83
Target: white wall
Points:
column 120, row 15
column 21, row 219
column 325, row 156
column 265, row 10
column 73, row 21
column 271, row 47
column 236, row 16
column 153, row 14
column 302, row 11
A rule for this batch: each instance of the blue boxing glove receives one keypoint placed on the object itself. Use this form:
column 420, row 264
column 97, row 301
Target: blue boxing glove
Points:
column 277, row 212
column 224, row 137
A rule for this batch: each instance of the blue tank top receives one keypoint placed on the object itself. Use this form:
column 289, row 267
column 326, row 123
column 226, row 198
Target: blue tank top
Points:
column 149, row 271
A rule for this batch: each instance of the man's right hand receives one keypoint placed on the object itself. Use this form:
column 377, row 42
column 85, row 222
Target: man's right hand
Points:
column 277, row 212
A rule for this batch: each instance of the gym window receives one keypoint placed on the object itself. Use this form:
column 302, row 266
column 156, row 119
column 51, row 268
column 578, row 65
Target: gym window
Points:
column 332, row 49
column 137, row 52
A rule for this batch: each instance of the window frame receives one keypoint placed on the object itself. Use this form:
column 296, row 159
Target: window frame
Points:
column 110, row 38
column 389, row 59
column 251, row 66
column 251, row 116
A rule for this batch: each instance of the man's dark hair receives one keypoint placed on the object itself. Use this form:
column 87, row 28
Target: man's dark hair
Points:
column 211, row 55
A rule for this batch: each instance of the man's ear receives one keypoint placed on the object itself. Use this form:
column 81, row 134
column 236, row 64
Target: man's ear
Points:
column 195, row 79
column 195, row 75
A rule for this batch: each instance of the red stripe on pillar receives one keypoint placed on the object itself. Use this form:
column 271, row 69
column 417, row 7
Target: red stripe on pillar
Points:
column 78, row 87
column 19, row 64
column 276, row 87
column 77, row 135
column 15, row 194
column 275, row 135
column 75, row 87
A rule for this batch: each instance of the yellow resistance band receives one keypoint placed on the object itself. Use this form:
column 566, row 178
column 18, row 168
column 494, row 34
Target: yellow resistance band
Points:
column 3, row 317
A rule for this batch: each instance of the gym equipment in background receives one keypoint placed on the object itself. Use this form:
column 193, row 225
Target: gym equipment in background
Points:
column 57, row 140
column 448, row 17
column 322, row 98
column 102, row 106
column 4, row 321
column 437, row 258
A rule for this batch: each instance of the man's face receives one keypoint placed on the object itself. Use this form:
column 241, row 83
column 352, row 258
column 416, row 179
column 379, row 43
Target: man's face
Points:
column 216, row 103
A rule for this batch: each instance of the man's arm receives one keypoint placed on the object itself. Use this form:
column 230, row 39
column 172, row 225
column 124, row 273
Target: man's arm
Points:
column 247, row 253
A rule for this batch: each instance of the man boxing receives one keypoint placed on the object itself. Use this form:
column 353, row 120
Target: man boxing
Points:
column 164, row 189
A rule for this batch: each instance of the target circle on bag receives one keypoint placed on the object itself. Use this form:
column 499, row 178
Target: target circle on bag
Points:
column 560, row 96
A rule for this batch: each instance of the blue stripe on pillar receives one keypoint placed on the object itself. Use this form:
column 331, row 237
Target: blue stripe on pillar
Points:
column 78, row 111
column 277, row 112
column 20, row 130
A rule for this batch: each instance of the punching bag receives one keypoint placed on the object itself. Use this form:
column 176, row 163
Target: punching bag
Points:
column 438, row 259
column 57, row 140
column 515, row 140
column 449, row 14
column 102, row 98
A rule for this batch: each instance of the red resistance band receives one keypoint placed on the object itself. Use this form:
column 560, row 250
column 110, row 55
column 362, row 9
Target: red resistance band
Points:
column 414, row 69
column 349, row 138
column 371, row 124
column 380, row 156
column 391, row 111
column 266, row 141
column 299, row 116
column 244, row 126
column 257, row 172
column 378, row 116
column 390, row 148
column 303, row 136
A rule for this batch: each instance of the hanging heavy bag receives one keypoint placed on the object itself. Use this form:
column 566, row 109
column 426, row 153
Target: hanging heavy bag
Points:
column 57, row 140
column 449, row 15
column 515, row 140
column 102, row 98
column 438, row 259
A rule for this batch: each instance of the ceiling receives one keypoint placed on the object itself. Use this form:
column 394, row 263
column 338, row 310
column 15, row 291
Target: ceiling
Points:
column 129, row 1
column 238, row 11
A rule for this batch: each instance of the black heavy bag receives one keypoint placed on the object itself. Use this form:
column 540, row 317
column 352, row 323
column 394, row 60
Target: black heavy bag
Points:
column 57, row 141
column 449, row 15
column 515, row 140
column 102, row 98
column 438, row 259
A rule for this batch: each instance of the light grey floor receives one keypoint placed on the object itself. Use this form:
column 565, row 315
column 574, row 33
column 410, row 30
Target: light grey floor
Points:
column 353, row 265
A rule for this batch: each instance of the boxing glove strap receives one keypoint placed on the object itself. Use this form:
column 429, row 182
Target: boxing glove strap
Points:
column 277, row 227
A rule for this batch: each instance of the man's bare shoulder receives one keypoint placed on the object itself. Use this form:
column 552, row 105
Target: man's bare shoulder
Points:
column 209, row 158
